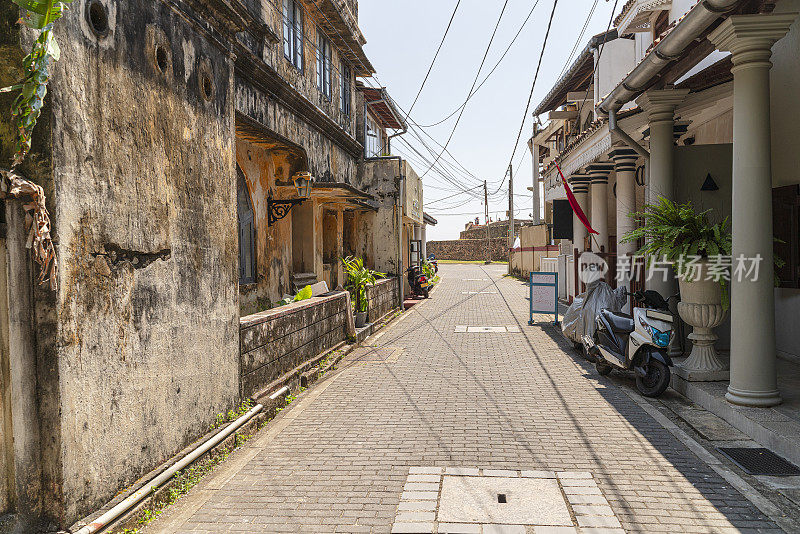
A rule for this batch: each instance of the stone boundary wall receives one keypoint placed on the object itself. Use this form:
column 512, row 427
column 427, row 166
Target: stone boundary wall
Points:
column 382, row 297
column 274, row 342
column 496, row 229
column 469, row 249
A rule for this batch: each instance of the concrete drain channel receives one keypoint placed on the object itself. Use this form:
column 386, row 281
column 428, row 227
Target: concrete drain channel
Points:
column 458, row 500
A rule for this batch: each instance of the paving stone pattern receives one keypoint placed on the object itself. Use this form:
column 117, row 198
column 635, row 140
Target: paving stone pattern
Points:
column 516, row 401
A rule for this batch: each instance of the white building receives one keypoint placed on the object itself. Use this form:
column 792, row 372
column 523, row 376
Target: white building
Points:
column 680, row 91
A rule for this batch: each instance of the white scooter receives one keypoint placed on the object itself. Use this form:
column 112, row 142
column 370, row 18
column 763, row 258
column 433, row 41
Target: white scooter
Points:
column 637, row 342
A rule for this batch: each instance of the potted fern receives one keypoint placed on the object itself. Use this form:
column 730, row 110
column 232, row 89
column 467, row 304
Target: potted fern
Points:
column 698, row 249
column 358, row 277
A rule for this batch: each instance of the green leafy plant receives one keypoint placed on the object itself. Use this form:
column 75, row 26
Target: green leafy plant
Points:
column 429, row 272
column 358, row 277
column 674, row 230
column 27, row 106
column 303, row 294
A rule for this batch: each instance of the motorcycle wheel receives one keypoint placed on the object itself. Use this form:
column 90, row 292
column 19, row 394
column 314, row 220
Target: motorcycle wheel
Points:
column 425, row 292
column 655, row 382
column 603, row 369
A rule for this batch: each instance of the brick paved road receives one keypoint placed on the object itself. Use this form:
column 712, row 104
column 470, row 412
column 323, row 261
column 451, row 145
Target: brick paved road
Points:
column 337, row 460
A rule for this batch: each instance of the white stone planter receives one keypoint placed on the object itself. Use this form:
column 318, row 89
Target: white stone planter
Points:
column 701, row 307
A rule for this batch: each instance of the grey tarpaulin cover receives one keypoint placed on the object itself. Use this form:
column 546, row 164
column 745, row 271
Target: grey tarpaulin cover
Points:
column 579, row 318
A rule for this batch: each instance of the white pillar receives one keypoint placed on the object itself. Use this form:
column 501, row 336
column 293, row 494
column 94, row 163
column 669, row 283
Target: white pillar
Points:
column 625, row 169
column 536, row 204
column 580, row 188
column 660, row 107
column 598, row 172
column 753, row 369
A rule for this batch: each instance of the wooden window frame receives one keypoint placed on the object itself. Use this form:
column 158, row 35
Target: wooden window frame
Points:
column 248, row 227
column 293, row 33
column 324, row 65
column 346, row 90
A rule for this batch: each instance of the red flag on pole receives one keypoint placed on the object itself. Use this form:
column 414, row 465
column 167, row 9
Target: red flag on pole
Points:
column 574, row 203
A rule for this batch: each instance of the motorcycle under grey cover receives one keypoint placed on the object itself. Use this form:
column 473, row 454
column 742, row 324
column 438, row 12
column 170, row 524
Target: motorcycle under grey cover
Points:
column 579, row 318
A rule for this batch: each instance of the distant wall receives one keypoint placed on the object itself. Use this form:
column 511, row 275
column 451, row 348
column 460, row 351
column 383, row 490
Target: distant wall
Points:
column 275, row 341
column 496, row 229
column 469, row 249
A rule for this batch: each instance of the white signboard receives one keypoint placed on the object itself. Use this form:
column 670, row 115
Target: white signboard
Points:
column 543, row 294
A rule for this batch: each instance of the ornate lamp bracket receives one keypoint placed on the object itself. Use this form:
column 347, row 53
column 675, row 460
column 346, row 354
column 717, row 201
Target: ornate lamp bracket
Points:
column 278, row 209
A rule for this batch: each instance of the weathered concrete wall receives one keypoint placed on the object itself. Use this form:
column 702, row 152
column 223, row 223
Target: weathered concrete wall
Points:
column 379, row 177
column 6, row 431
column 276, row 341
column 382, row 297
column 469, row 249
column 137, row 348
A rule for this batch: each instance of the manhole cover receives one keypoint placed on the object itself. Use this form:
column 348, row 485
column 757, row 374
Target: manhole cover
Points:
column 758, row 461
column 497, row 500
column 464, row 329
column 374, row 354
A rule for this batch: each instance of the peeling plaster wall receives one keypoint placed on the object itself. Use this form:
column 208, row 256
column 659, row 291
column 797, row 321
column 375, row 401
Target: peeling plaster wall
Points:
column 379, row 177
column 138, row 347
column 327, row 161
column 273, row 243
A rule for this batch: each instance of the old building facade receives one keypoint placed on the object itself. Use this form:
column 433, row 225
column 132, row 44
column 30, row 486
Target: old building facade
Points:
column 169, row 151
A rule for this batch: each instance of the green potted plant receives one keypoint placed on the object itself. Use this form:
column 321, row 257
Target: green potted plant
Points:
column 358, row 277
column 430, row 272
column 696, row 247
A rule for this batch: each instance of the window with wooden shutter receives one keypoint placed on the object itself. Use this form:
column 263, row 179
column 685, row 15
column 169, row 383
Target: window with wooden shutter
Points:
column 247, row 231
column 786, row 228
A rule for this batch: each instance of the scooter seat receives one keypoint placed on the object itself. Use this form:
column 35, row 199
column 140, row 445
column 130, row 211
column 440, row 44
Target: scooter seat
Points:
column 622, row 323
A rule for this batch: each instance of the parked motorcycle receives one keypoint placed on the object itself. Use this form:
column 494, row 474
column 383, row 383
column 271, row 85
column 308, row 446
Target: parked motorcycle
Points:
column 418, row 281
column 637, row 342
column 433, row 262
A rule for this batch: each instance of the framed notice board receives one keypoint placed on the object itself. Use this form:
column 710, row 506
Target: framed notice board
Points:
column 543, row 294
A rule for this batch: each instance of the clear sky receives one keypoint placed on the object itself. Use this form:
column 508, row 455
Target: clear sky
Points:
column 402, row 37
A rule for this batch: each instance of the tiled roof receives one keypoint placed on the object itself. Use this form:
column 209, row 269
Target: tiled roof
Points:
column 627, row 7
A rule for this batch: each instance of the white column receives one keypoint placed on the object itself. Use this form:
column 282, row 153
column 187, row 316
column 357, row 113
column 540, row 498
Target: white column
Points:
column 753, row 370
column 660, row 107
column 625, row 169
column 580, row 188
column 536, row 204
column 598, row 172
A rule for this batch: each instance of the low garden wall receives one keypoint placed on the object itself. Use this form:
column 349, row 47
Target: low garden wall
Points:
column 382, row 297
column 274, row 342
column 469, row 249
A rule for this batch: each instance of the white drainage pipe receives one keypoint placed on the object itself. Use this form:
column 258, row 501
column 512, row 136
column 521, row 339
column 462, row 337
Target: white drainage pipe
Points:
column 145, row 490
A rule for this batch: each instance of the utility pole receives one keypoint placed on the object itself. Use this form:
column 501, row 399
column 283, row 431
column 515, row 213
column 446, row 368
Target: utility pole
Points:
column 486, row 220
column 510, row 214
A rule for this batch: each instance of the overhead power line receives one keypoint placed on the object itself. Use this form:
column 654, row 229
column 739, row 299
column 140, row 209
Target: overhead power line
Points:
column 433, row 61
column 533, row 85
column 469, row 97
column 475, row 81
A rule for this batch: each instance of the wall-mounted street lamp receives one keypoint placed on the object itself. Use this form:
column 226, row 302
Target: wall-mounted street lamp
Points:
column 278, row 209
